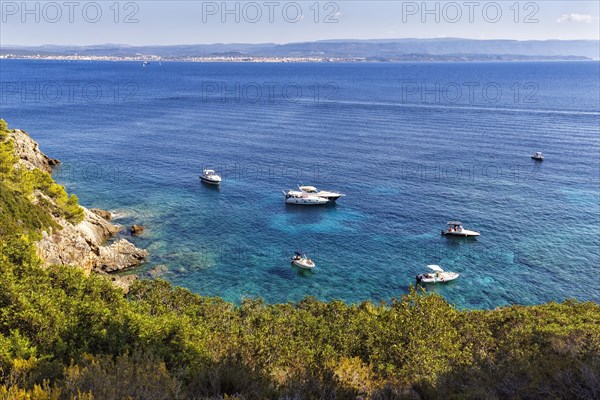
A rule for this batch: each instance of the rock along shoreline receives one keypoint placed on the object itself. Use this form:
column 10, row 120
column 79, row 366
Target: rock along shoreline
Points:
column 83, row 244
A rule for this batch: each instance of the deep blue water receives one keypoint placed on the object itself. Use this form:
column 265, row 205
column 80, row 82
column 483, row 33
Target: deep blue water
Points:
column 408, row 156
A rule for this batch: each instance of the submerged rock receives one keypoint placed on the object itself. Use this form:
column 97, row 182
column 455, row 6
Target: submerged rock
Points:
column 158, row 271
column 137, row 229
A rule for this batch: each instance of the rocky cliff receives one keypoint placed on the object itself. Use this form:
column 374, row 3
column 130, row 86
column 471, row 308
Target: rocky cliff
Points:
column 28, row 151
column 83, row 244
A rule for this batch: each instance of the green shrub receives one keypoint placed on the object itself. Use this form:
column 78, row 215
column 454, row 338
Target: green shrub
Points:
column 3, row 129
column 17, row 195
column 18, row 215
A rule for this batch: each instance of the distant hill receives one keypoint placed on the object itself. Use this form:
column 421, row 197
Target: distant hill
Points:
column 398, row 47
column 382, row 49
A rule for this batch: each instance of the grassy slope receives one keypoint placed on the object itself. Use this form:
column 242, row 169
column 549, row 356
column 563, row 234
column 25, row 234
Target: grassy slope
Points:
column 64, row 336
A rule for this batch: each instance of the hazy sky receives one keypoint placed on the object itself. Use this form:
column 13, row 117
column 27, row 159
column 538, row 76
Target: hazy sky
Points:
column 188, row 22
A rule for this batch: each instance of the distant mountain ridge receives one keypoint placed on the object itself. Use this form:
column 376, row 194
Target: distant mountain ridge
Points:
column 339, row 48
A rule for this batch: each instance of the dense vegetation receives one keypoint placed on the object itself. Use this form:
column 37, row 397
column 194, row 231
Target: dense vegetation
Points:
column 64, row 335
column 28, row 197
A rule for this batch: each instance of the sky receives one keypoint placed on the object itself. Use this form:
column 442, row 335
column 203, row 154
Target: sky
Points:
column 146, row 22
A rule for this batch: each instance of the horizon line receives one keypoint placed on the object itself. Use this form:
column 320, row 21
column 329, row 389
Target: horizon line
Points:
column 294, row 42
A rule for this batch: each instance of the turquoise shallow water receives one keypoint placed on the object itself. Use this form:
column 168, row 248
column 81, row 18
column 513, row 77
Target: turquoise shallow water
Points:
column 408, row 162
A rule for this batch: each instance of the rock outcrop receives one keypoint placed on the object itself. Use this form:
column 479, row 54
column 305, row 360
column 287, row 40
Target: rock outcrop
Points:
column 28, row 151
column 137, row 229
column 119, row 255
column 124, row 282
column 107, row 215
column 82, row 244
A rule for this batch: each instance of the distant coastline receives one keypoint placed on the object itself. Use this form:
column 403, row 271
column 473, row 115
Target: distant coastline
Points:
column 253, row 59
column 349, row 50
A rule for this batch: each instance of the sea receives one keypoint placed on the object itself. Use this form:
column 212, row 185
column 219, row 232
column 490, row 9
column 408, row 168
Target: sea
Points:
column 411, row 145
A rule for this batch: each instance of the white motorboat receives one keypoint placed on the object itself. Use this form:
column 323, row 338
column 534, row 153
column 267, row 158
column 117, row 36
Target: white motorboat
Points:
column 209, row 176
column 331, row 196
column 538, row 156
column 297, row 197
column 302, row 261
column 455, row 228
column 438, row 276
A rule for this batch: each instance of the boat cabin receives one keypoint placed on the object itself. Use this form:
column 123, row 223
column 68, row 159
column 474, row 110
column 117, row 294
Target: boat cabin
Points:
column 308, row 189
column 454, row 226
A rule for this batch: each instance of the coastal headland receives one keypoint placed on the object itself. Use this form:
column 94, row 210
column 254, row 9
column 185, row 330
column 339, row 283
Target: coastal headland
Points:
column 83, row 244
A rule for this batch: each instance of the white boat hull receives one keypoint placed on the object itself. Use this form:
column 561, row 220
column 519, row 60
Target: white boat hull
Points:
column 312, row 191
column 303, row 264
column 463, row 233
column 441, row 277
column 210, row 180
column 301, row 198
column 538, row 156
column 329, row 198
column 307, row 201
